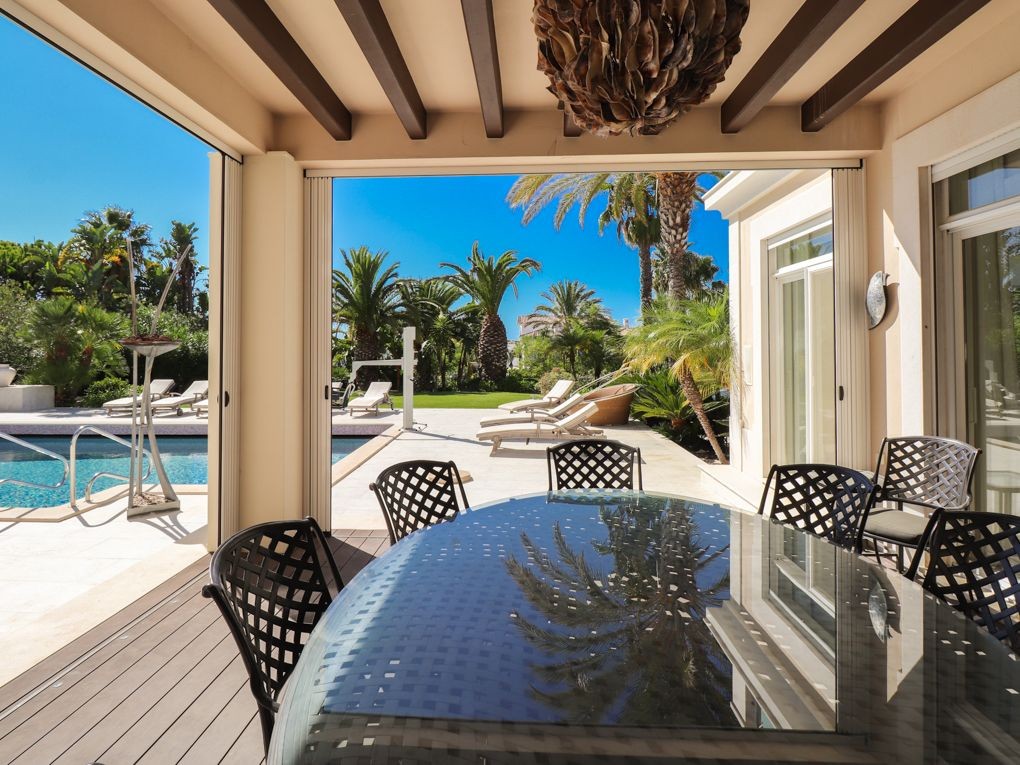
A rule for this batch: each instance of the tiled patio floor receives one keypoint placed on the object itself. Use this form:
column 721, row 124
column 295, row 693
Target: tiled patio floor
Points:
column 517, row 468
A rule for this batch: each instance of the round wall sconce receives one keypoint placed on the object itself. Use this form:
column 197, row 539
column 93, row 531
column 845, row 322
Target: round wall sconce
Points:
column 875, row 299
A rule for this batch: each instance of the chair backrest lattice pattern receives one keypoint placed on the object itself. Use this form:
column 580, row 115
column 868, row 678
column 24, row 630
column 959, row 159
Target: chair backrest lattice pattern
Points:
column 272, row 582
column 417, row 494
column 975, row 567
column 927, row 471
column 593, row 463
column 829, row 501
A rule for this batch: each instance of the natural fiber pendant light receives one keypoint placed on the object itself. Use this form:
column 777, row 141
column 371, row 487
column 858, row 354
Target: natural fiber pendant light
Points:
column 634, row 66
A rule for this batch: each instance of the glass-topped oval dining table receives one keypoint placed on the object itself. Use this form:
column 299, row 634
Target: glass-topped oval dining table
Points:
column 632, row 627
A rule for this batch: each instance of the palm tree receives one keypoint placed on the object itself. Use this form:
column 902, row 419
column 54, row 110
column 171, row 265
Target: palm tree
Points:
column 630, row 202
column 677, row 194
column 693, row 338
column 182, row 239
column 78, row 342
column 101, row 238
column 634, row 206
column 486, row 281
column 428, row 305
column 567, row 300
column 366, row 297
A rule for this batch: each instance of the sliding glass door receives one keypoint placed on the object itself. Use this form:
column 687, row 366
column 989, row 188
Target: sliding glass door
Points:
column 803, row 357
column 991, row 300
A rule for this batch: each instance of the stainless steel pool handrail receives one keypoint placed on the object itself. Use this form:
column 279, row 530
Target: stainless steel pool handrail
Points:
column 39, row 450
column 102, row 473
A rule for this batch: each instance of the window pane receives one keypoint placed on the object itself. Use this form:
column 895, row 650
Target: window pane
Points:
column 813, row 244
column 794, row 380
column 989, row 182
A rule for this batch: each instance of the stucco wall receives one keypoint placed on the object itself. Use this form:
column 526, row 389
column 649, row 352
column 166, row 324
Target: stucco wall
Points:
column 969, row 99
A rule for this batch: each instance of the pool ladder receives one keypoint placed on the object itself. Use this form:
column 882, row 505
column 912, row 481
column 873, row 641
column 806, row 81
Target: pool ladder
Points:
column 70, row 475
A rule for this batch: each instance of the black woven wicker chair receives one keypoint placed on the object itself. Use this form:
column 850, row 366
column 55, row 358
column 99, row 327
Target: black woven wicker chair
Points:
column 417, row 494
column 272, row 582
column 829, row 501
column 593, row 463
column 975, row 567
column 923, row 471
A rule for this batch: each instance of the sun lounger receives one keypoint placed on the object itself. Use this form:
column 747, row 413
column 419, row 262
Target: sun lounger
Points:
column 201, row 408
column 556, row 394
column 196, row 392
column 378, row 393
column 157, row 388
column 537, row 415
column 571, row 426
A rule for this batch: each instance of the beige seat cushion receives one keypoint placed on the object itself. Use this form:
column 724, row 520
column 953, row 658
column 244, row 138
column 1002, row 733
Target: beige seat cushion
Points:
column 896, row 524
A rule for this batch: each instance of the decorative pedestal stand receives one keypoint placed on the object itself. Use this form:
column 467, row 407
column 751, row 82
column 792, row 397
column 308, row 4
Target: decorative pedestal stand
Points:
column 140, row 501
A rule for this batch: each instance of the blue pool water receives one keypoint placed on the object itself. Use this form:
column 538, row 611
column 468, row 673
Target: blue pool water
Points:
column 185, row 458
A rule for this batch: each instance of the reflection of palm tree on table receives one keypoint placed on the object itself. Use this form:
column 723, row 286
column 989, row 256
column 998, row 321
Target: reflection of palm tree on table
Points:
column 629, row 646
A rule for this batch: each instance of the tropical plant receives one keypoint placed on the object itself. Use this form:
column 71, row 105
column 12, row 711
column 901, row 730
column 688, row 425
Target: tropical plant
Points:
column 567, row 300
column 78, row 342
column 366, row 297
column 100, row 239
column 678, row 193
column 486, row 281
column 634, row 207
column 631, row 645
column 660, row 402
column 630, row 203
column 692, row 338
column 428, row 306
column 182, row 239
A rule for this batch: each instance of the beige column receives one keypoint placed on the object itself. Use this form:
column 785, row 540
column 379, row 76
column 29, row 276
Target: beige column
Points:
column 271, row 339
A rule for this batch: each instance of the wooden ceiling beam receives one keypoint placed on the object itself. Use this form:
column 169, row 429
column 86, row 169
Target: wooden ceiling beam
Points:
column 375, row 37
column 269, row 39
column 481, row 34
column 921, row 26
column 813, row 24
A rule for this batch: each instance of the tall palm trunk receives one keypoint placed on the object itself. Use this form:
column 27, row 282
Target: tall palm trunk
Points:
column 366, row 348
column 677, row 192
column 492, row 348
column 645, row 265
column 697, row 403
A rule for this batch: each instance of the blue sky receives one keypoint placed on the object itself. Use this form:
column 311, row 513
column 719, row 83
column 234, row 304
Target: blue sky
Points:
column 422, row 222
column 73, row 142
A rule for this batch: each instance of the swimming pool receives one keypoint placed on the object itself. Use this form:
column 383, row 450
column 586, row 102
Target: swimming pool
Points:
column 185, row 458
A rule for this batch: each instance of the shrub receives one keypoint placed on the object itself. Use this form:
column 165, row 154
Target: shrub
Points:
column 518, row 381
column 14, row 311
column 546, row 381
column 660, row 402
column 107, row 389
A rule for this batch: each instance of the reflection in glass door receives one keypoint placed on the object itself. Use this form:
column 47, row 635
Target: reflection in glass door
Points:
column 991, row 293
column 803, row 366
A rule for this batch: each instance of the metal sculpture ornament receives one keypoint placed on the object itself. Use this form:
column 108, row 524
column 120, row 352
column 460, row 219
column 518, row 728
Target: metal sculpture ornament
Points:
column 634, row 66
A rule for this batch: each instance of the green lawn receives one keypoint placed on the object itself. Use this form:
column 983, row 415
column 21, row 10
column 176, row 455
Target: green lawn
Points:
column 458, row 400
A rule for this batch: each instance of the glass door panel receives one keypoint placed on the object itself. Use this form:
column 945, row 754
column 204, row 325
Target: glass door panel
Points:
column 991, row 289
column 793, row 384
column 823, row 365
column 804, row 423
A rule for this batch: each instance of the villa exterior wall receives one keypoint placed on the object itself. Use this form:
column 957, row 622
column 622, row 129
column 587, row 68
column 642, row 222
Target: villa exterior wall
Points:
column 952, row 110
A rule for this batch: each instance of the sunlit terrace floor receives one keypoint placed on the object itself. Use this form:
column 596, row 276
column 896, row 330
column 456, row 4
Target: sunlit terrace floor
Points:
column 159, row 682
column 519, row 468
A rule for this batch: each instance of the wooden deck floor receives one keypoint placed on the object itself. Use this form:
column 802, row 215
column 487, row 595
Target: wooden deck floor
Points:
column 159, row 682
